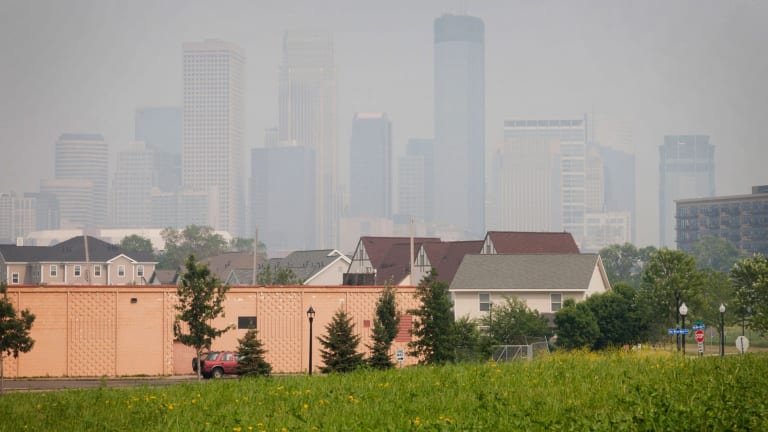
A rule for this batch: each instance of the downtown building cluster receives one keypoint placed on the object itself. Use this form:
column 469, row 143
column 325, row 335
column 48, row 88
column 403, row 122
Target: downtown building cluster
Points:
column 191, row 164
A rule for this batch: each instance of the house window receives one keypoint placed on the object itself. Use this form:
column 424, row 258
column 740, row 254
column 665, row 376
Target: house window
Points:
column 246, row 322
column 97, row 270
column 557, row 301
column 15, row 277
column 140, row 271
column 121, row 270
column 485, row 302
column 54, row 270
column 77, row 270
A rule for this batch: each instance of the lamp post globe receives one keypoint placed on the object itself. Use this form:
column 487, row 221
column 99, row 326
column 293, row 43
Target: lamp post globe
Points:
column 683, row 312
column 311, row 316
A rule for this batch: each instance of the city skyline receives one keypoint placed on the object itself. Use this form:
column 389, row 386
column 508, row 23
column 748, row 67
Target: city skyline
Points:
column 690, row 71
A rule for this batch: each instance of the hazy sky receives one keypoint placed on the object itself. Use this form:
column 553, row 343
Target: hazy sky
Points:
column 644, row 68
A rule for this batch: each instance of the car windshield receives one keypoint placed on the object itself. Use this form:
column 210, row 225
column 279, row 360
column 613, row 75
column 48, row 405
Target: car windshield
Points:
column 212, row 355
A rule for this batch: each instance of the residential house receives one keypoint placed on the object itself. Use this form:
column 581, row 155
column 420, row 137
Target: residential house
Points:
column 383, row 260
column 521, row 242
column 81, row 260
column 314, row 267
column 542, row 281
column 444, row 257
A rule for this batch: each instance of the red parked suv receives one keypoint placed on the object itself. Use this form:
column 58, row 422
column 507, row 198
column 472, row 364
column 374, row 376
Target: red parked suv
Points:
column 217, row 363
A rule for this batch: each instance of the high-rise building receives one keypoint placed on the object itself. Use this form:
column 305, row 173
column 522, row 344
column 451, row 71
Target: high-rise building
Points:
column 539, row 176
column 459, row 92
column 416, row 181
column 308, row 117
column 283, row 197
column 84, row 158
column 7, row 205
column 213, row 125
column 370, row 171
column 132, row 188
column 739, row 219
column 160, row 129
column 619, row 186
column 75, row 199
column 686, row 170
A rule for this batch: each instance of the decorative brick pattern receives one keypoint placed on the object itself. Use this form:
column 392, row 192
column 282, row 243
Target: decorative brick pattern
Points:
column 91, row 334
column 280, row 322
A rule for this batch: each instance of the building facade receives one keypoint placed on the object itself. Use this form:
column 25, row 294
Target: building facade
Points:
column 84, row 158
column 160, row 129
column 686, row 170
column 459, row 121
column 213, row 127
column 416, row 181
column 308, row 117
column 739, row 219
column 131, row 204
column 370, row 171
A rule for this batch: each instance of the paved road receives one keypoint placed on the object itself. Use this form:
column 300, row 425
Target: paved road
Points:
column 46, row 384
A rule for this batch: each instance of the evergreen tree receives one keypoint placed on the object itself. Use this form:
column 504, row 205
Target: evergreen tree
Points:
column 385, row 328
column 200, row 295
column 432, row 322
column 340, row 345
column 14, row 330
column 250, row 356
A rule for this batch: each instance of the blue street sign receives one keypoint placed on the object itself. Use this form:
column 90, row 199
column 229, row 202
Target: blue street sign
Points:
column 678, row 331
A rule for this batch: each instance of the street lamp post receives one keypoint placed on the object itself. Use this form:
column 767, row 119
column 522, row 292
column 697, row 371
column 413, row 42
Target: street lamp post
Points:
column 722, row 330
column 683, row 312
column 311, row 316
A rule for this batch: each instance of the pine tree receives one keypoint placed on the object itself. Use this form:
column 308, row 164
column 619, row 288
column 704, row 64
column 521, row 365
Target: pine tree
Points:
column 14, row 330
column 385, row 328
column 432, row 322
column 250, row 356
column 340, row 345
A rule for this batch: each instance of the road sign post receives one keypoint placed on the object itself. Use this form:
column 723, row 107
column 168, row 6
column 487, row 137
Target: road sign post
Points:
column 400, row 356
column 700, row 340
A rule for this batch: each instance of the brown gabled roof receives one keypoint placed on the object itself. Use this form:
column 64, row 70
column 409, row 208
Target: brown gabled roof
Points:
column 515, row 242
column 391, row 256
column 446, row 257
column 221, row 265
column 378, row 248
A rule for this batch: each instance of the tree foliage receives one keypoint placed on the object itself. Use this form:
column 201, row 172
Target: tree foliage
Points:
column 576, row 326
column 670, row 279
column 715, row 254
column 250, row 356
column 136, row 243
column 470, row 343
column 750, row 280
column 432, row 322
column 200, row 300
column 14, row 330
column 512, row 322
column 340, row 344
column 200, row 241
column 268, row 276
column 625, row 262
column 385, row 328
column 614, row 315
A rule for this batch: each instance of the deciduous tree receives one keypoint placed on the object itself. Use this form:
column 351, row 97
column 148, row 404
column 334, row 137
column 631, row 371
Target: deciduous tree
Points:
column 750, row 280
column 512, row 322
column 200, row 300
column 136, row 243
column 576, row 326
column 200, row 241
column 14, row 330
column 715, row 254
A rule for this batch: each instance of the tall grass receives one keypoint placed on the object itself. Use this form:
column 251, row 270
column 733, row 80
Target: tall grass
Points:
column 581, row 391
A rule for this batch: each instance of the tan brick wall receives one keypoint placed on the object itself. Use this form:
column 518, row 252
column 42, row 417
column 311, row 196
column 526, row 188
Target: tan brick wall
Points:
column 102, row 331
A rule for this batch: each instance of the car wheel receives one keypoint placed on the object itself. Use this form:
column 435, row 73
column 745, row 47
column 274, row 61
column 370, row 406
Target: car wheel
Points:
column 217, row 372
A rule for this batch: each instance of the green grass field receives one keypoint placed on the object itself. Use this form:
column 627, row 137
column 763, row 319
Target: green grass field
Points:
column 642, row 390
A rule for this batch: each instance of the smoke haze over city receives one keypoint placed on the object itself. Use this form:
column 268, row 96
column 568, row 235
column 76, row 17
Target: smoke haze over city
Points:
column 638, row 70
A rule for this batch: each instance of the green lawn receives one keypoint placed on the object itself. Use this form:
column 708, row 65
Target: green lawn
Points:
column 643, row 390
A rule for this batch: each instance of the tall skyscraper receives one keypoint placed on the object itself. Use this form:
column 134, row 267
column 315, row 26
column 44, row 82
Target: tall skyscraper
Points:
column 416, row 180
column 370, row 171
column 160, row 129
column 540, row 176
column 213, row 126
column 308, row 117
column 283, row 197
column 459, row 56
column 83, row 158
column 686, row 171
column 132, row 188
column 619, row 188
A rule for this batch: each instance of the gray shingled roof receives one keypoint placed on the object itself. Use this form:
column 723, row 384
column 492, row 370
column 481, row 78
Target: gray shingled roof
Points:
column 304, row 264
column 72, row 250
column 525, row 272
